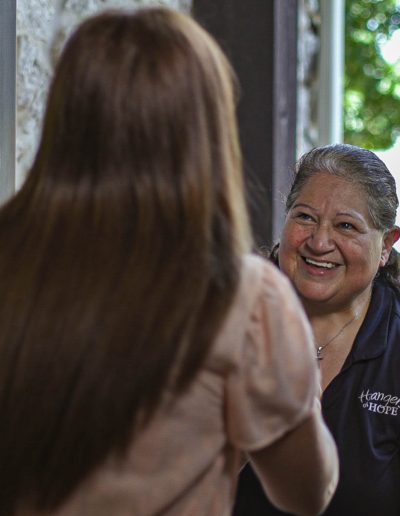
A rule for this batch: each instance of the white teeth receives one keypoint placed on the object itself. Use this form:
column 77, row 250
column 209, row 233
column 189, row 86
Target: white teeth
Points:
column 324, row 265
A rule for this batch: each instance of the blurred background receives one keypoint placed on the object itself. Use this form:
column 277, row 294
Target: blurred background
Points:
column 311, row 72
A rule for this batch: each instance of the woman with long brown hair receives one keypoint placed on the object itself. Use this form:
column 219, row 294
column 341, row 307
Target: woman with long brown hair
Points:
column 141, row 348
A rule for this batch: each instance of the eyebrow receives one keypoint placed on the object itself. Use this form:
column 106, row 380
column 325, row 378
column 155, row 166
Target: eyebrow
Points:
column 352, row 214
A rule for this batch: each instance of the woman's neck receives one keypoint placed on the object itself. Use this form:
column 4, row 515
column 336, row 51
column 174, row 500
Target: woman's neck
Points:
column 329, row 314
column 335, row 329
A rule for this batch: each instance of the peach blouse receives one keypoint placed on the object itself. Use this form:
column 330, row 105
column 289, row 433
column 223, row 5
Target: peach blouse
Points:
column 259, row 382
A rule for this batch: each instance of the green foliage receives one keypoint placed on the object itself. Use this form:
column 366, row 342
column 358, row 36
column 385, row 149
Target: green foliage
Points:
column 372, row 85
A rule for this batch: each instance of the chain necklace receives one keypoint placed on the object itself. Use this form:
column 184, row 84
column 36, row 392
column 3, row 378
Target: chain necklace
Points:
column 320, row 349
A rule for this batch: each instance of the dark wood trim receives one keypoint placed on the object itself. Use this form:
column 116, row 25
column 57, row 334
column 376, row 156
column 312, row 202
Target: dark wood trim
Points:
column 260, row 38
column 285, row 105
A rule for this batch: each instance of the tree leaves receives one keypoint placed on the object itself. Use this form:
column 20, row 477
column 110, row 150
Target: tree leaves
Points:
column 371, row 84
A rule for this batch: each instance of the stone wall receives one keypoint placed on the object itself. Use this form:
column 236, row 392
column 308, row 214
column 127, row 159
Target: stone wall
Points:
column 42, row 27
column 309, row 45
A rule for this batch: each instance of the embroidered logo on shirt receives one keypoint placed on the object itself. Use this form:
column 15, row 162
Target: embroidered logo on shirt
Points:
column 380, row 402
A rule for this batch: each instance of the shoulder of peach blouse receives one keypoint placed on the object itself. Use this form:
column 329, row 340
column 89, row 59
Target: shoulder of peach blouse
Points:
column 262, row 278
column 276, row 295
column 261, row 283
column 277, row 316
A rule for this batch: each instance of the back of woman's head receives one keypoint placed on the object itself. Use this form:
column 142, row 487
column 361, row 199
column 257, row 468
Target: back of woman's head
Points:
column 124, row 246
column 363, row 168
column 142, row 105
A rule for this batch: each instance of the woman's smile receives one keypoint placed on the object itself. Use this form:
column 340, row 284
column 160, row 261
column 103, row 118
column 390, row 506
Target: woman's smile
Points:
column 330, row 248
column 318, row 267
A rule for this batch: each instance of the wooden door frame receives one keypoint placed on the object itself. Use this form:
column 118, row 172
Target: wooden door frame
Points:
column 260, row 38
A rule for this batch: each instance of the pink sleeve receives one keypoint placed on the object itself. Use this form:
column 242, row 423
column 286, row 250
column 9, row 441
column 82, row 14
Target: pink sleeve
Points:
column 275, row 381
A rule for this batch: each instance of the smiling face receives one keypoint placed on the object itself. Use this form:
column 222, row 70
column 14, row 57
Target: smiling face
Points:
column 329, row 247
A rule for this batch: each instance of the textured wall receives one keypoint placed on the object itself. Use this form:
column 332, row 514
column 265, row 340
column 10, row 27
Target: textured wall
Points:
column 309, row 45
column 42, row 26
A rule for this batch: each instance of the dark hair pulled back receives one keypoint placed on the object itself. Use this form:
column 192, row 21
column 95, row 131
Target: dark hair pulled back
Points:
column 361, row 167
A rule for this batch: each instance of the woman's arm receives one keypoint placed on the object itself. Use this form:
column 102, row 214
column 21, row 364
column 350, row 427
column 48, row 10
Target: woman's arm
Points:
column 299, row 472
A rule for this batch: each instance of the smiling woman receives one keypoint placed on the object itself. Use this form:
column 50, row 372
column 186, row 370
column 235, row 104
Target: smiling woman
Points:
column 336, row 248
column 330, row 246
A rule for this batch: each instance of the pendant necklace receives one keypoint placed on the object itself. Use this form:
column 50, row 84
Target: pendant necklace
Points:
column 320, row 349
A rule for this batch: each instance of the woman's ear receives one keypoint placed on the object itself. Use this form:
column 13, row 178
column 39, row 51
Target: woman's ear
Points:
column 389, row 239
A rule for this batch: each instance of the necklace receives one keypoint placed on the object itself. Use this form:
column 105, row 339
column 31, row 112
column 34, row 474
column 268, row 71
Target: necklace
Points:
column 320, row 349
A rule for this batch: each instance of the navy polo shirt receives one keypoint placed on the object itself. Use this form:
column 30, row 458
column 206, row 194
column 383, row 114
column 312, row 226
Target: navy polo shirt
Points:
column 361, row 407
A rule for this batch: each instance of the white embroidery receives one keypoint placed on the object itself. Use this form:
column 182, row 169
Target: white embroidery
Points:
column 380, row 402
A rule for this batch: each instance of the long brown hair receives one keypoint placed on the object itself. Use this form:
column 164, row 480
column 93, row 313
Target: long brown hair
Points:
column 120, row 255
